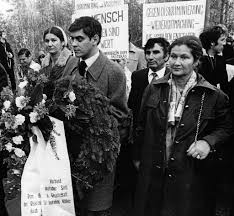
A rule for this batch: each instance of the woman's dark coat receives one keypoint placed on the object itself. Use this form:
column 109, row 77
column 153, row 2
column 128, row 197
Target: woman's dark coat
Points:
column 183, row 186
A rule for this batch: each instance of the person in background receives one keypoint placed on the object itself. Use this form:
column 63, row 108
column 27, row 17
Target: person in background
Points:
column 3, row 78
column 212, row 64
column 156, row 55
column 85, row 35
column 136, row 59
column 183, row 119
column 41, row 56
column 228, row 51
column 58, row 61
column 7, row 58
column 4, row 82
column 128, row 74
column 26, row 63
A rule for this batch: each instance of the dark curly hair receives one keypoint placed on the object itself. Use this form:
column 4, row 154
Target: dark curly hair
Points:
column 190, row 41
column 90, row 26
column 211, row 35
column 160, row 41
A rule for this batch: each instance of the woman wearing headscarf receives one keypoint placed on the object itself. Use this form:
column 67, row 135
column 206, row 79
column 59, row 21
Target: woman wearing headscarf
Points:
column 183, row 119
column 59, row 58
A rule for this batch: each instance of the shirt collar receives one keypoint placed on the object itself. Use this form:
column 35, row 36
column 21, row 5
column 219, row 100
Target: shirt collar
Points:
column 160, row 73
column 89, row 61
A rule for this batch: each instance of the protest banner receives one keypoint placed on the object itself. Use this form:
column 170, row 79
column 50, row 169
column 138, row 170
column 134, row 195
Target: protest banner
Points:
column 173, row 19
column 95, row 4
column 114, row 21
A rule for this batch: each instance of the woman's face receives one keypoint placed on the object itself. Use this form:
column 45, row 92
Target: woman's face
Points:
column 181, row 61
column 53, row 44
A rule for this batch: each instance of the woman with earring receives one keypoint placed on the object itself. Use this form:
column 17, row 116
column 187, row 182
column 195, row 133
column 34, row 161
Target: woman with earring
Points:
column 183, row 119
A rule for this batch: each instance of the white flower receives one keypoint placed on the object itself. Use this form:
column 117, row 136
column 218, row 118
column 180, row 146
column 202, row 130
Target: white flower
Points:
column 20, row 102
column 72, row 96
column 23, row 84
column 33, row 117
column 19, row 119
column 7, row 125
column 18, row 139
column 3, row 111
column 19, row 152
column 16, row 172
column 9, row 147
column 7, row 104
column 44, row 96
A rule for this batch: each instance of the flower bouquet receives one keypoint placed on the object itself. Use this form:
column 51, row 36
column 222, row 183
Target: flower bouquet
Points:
column 92, row 131
column 19, row 113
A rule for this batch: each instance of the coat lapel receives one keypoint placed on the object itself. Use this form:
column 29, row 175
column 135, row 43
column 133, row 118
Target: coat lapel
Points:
column 96, row 68
column 144, row 79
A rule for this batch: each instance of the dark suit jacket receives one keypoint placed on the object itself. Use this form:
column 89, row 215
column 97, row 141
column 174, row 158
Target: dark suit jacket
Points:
column 139, row 83
column 216, row 74
column 107, row 76
column 3, row 55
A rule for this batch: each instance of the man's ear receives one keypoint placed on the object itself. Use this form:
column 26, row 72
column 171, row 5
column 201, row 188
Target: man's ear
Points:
column 195, row 64
column 166, row 57
column 96, row 39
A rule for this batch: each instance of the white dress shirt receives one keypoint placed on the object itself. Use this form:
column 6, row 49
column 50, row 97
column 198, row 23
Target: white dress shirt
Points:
column 89, row 61
column 160, row 74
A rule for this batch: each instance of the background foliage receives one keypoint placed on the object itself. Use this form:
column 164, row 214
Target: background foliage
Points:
column 26, row 23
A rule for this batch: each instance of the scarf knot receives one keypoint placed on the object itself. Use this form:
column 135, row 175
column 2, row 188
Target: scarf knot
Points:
column 177, row 103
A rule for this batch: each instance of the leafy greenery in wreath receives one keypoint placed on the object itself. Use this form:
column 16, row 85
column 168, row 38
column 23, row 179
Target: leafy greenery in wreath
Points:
column 91, row 130
column 19, row 112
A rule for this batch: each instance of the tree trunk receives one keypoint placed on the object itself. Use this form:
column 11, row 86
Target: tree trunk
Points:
column 222, row 11
column 207, row 16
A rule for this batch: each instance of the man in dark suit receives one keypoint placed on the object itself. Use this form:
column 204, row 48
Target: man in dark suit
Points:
column 85, row 34
column 156, row 54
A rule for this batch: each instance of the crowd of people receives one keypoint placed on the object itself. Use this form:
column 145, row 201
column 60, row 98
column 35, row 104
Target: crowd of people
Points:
column 182, row 108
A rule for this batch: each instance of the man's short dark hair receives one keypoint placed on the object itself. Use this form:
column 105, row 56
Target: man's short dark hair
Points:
column 24, row 51
column 211, row 35
column 89, row 25
column 160, row 41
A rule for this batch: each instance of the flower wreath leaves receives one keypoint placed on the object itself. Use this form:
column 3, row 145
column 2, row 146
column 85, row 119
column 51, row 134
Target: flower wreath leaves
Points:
column 88, row 115
column 15, row 127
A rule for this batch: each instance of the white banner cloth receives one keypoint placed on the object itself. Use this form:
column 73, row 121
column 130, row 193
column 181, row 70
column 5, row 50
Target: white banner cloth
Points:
column 46, row 187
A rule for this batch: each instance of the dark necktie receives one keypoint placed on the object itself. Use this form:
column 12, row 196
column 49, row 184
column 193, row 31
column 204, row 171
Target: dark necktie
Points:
column 212, row 61
column 82, row 65
column 154, row 75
